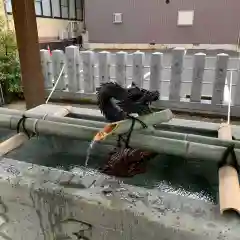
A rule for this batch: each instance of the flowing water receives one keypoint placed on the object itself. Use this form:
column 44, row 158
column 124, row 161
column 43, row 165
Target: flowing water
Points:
column 89, row 150
column 193, row 178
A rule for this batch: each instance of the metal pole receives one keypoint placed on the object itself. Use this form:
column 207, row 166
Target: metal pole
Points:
column 230, row 99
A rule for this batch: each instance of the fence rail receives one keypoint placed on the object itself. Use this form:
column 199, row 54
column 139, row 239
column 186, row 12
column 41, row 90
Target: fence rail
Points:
column 187, row 88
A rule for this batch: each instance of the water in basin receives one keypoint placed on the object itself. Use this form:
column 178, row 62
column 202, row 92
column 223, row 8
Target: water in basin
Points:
column 6, row 133
column 197, row 179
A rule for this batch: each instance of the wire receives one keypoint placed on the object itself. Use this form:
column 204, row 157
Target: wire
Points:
column 59, row 77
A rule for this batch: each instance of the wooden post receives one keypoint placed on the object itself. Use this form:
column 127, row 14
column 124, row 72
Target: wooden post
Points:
column 229, row 193
column 28, row 47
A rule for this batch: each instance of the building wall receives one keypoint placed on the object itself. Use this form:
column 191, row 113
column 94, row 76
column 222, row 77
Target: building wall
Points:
column 51, row 24
column 146, row 21
column 48, row 29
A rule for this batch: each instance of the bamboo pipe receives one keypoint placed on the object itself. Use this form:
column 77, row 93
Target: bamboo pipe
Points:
column 191, row 137
column 101, row 124
column 158, row 133
column 157, row 144
column 8, row 111
column 68, row 120
column 147, row 142
column 13, row 143
column 86, row 117
column 148, row 131
column 164, row 126
column 229, row 192
column 123, row 126
column 155, row 132
column 63, row 111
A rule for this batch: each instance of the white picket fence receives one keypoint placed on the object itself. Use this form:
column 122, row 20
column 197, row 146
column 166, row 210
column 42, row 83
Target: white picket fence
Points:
column 79, row 73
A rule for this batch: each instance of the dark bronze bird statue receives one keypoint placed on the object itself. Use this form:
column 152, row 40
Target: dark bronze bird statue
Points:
column 117, row 103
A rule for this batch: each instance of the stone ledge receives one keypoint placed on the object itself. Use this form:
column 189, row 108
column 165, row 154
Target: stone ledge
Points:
column 109, row 209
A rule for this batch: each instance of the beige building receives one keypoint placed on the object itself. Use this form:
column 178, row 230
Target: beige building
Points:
column 56, row 19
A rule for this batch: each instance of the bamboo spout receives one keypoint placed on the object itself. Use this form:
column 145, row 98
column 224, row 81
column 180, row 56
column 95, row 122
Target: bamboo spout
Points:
column 12, row 143
column 124, row 125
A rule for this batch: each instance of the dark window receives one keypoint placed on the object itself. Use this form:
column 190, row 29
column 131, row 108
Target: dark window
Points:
column 64, row 8
column 79, row 9
column 72, row 9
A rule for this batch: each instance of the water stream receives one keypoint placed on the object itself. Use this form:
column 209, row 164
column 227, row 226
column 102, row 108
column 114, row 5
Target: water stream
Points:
column 89, row 150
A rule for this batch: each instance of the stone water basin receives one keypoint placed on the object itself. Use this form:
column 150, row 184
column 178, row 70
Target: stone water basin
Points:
column 174, row 199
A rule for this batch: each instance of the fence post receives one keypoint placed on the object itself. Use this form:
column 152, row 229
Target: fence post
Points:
column 176, row 74
column 47, row 68
column 58, row 58
column 197, row 78
column 138, row 61
column 155, row 71
column 104, row 66
column 73, row 68
column 121, row 68
column 220, row 76
column 88, row 71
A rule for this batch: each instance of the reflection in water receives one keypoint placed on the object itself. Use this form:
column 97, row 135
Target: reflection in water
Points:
column 197, row 179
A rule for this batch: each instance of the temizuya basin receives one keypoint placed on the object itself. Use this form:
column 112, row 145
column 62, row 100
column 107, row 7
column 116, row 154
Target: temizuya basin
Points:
column 47, row 193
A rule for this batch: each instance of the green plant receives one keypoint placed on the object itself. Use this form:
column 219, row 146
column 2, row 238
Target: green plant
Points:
column 10, row 75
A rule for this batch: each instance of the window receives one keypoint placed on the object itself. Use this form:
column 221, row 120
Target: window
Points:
column 38, row 7
column 185, row 18
column 117, row 18
column 79, row 9
column 46, row 8
column 65, row 9
column 56, row 8
column 72, row 9
column 8, row 6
